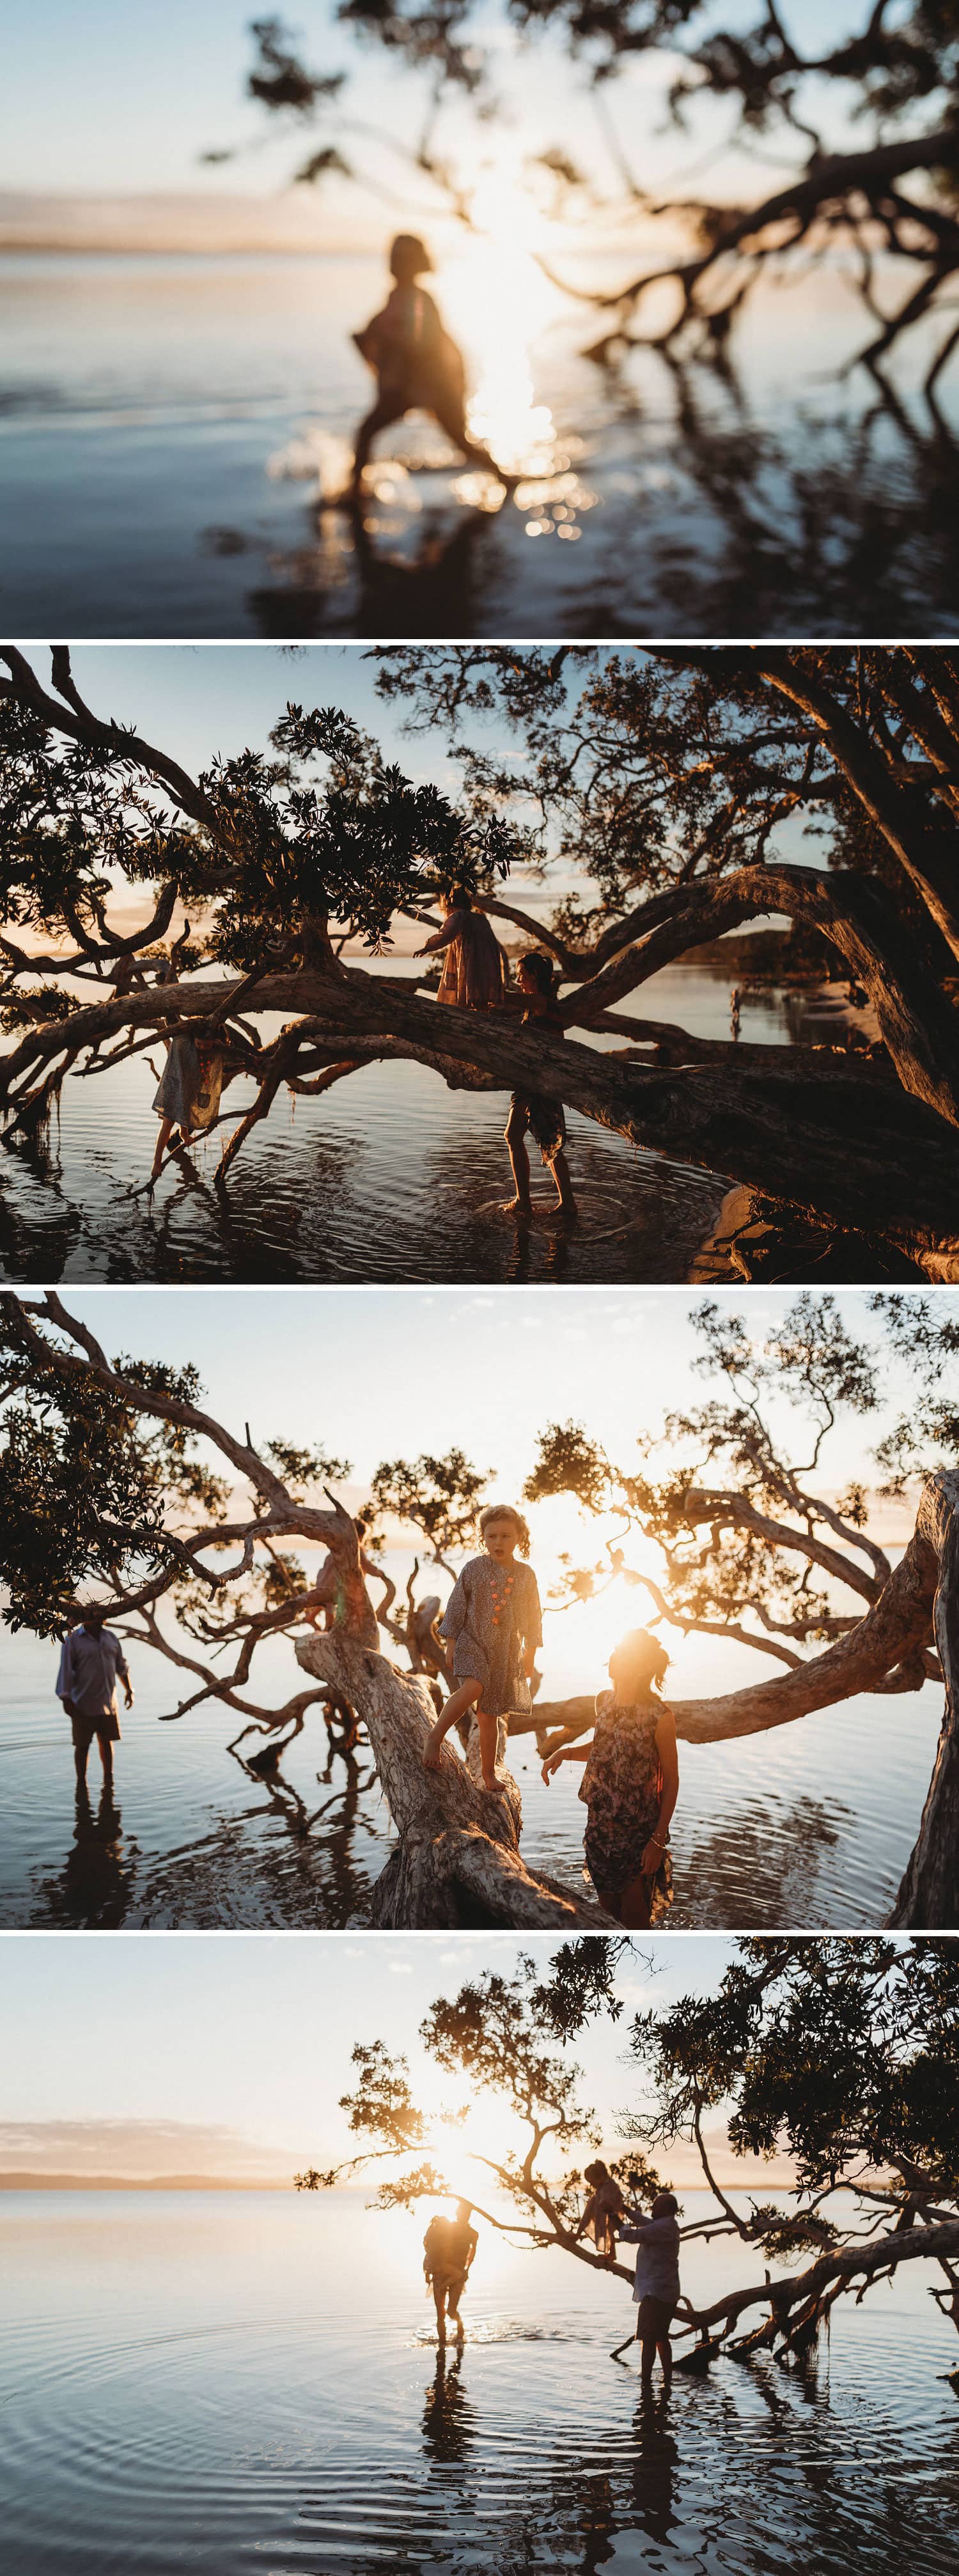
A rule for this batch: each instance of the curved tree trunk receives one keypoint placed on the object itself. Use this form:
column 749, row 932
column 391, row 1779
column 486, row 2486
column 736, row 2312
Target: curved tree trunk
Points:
column 849, row 1147
column 458, row 1860
column 928, row 1898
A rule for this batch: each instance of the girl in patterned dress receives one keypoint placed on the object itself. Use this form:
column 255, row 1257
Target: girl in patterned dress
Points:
column 493, row 1616
column 630, row 1785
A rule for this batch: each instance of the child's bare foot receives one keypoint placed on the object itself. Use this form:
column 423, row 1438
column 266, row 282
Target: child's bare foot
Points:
column 433, row 1748
column 491, row 1782
column 521, row 1208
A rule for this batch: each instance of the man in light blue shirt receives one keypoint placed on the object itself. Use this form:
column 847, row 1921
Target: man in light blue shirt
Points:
column 656, row 2286
column 91, row 1659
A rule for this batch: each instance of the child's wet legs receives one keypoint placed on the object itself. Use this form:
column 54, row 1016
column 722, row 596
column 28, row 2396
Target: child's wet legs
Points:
column 515, row 1134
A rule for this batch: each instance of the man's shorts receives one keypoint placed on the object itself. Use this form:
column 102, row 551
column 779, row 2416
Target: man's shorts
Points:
column 655, row 2318
column 85, row 1728
column 453, row 2283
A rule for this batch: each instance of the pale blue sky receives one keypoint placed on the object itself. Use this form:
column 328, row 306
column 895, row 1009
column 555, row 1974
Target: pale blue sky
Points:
column 251, row 2033
column 112, row 99
column 377, row 1373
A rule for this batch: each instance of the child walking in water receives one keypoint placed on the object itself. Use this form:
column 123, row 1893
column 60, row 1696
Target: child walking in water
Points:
column 537, row 979
column 630, row 1785
column 416, row 364
column 493, row 1616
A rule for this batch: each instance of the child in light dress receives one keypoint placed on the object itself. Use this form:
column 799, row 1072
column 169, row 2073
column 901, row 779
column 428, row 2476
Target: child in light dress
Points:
column 494, row 1620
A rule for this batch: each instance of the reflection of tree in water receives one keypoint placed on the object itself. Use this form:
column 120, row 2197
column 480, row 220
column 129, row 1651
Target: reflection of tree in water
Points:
column 95, row 1886
column 310, row 1876
column 759, row 1867
column 450, row 2421
column 846, row 526
column 839, row 523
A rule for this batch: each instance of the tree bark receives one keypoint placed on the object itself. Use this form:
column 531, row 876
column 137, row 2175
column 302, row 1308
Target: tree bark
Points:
column 928, row 1899
column 458, row 1859
column 843, row 2265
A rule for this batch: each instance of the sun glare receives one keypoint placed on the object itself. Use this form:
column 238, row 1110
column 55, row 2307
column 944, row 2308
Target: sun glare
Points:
column 496, row 301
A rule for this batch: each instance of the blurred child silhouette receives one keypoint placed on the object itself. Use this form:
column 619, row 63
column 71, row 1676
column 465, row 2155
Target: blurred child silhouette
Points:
column 416, row 364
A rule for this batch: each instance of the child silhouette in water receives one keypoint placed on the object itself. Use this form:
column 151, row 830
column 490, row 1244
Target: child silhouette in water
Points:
column 416, row 364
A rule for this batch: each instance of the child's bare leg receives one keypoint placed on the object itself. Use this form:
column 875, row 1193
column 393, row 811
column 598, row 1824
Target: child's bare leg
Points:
column 487, row 1729
column 634, row 1904
column 515, row 1134
column 382, row 415
column 665, row 2351
column 439, row 2299
column 163, row 1138
column 452, row 418
column 462, row 1699
column 560, row 1171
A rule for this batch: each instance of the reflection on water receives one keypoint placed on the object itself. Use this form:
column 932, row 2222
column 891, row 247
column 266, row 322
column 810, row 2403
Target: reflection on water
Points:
column 389, row 1177
column 151, row 491
column 810, row 1825
column 235, row 2381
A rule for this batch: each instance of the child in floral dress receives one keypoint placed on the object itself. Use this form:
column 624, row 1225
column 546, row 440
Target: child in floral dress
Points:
column 630, row 1785
column 493, row 1617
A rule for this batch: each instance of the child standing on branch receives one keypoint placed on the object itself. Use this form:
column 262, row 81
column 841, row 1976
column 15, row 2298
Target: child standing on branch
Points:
column 416, row 364
column 493, row 1616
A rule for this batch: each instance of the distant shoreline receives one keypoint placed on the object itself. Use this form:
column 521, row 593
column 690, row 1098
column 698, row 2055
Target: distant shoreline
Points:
column 26, row 2181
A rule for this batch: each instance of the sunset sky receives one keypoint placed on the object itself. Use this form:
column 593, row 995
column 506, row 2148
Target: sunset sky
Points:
column 226, row 2053
column 88, row 111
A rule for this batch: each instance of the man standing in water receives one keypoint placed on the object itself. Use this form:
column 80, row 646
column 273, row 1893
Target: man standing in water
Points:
column 656, row 2286
column 448, row 2249
column 91, row 1659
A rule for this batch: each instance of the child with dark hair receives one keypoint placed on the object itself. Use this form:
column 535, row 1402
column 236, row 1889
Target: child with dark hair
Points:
column 538, row 980
column 630, row 1785
column 493, row 1617
column 474, row 967
column 416, row 364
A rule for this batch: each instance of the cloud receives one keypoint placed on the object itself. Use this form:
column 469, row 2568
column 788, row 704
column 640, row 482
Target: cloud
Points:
column 145, row 2147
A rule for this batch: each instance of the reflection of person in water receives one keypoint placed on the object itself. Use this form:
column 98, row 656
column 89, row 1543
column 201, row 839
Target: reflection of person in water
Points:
column 537, row 1110
column 630, row 1784
column 416, row 364
column 449, row 2424
column 474, row 967
column 91, row 1658
column 448, row 2249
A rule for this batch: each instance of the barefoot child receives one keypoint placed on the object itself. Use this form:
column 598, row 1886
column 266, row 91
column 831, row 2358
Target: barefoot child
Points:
column 493, row 1614
column 604, row 2208
column 630, row 1785
column 416, row 364
column 537, row 979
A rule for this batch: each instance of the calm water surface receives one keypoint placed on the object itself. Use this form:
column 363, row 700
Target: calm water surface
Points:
column 809, row 1825
column 389, row 1177
column 229, row 2381
column 172, row 430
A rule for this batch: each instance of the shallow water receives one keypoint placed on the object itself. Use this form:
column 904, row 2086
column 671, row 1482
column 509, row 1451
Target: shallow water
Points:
column 810, row 1825
column 171, row 429
column 248, row 2381
column 389, row 1177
